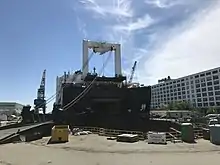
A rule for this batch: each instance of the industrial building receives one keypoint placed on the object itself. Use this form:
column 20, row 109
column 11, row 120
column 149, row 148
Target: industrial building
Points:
column 9, row 108
column 201, row 89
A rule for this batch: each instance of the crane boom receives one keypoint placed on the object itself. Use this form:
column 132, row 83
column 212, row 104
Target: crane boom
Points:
column 41, row 90
column 40, row 101
column 132, row 72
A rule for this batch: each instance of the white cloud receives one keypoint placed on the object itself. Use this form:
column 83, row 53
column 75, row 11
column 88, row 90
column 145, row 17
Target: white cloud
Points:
column 81, row 26
column 120, row 24
column 120, row 8
column 187, row 51
column 136, row 25
column 189, row 48
column 162, row 3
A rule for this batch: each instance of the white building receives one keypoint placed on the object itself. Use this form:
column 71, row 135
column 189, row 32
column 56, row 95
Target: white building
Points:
column 202, row 89
column 9, row 108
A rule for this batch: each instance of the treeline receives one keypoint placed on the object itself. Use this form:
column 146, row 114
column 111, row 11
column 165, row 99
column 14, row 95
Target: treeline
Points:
column 186, row 105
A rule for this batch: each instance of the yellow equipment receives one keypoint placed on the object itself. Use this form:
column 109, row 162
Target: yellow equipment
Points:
column 60, row 133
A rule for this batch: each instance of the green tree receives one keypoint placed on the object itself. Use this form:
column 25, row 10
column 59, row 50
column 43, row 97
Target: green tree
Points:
column 180, row 105
column 211, row 110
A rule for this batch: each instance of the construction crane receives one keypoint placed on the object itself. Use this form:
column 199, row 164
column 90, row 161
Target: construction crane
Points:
column 132, row 72
column 40, row 102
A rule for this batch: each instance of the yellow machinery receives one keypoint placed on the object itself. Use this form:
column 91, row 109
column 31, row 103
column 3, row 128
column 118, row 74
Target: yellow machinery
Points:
column 60, row 133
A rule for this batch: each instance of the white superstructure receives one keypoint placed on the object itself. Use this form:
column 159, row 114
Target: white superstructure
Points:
column 78, row 77
column 66, row 78
column 202, row 89
column 101, row 47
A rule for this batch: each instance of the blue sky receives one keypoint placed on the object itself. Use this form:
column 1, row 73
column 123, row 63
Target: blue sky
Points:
column 47, row 34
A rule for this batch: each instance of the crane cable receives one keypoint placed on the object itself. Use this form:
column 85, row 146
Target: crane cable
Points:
column 85, row 91
column 54, row 95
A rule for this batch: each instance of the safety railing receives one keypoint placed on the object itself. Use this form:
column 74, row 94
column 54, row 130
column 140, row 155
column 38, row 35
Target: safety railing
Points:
column 173, row 135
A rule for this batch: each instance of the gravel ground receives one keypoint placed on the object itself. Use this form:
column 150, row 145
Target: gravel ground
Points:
column 96, row 150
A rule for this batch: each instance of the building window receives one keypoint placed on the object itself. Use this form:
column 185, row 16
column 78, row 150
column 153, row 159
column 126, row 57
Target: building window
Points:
column 204, row 94
column 196, row 81
column 209, row 83
column 215, row 71
column 211, row 98
column 198, row 90
column 217, row 98
column 215, row 77
column 216, row 82
column 197, row 85
column 203, row 85
column 208, row 73
column 205, row 99
column 216, row 87
column 210, row 88
column 217, row 93
column 208, row 79
column 199, row 100
column 202, row 80
column 198, row 95
column 210, row 93
column 197, row 76
column 205, row 104
column 211, row 104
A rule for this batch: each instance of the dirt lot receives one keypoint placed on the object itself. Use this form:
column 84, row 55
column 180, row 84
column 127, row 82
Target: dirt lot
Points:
column 96, row 150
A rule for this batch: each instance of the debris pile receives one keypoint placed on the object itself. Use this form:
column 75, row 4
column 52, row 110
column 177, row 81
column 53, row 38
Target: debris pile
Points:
column 78, row 132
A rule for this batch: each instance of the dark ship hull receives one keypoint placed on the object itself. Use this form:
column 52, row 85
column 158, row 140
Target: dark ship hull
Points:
column 108, row 106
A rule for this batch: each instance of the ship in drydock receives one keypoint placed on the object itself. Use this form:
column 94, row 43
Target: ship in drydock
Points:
column 88, row 99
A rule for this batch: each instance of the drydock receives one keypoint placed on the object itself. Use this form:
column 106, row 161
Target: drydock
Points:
column 106, row 106
column 88, row 99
